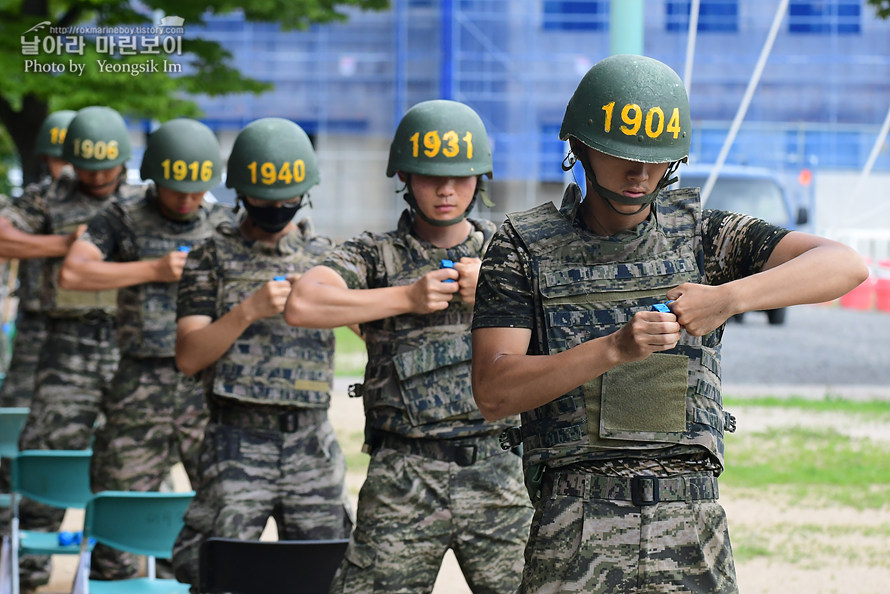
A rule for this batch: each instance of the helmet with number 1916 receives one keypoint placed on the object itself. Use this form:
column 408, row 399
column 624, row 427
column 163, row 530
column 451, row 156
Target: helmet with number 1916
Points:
column 97, row 139
column 631, row 107
column 440, row 138
column 272, row 159
column 183, row 155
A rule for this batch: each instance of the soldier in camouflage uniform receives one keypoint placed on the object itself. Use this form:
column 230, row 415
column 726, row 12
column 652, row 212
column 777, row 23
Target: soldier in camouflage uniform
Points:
column 269, row 448
column 79, row 355
column 154, row 416
column 438, row 478
column 30, row 323
column 622, row 420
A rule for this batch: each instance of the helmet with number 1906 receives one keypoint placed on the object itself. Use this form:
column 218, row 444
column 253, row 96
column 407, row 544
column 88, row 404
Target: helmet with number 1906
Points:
column 183, row 155
column 631, row 107
column 440, row 138
column 97, row 139
column 272, row 159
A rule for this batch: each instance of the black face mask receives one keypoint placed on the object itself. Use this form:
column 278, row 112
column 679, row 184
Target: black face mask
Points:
column 271, row 219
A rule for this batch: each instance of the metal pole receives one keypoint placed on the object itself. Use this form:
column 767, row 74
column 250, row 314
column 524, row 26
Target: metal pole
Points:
column 690, row 45
column 866, row 171
column 626, row 27
column 401, row 34
column 446, row 84
column 746, row 100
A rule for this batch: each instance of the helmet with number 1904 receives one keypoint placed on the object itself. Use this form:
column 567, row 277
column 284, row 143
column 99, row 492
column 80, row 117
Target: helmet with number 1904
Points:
column 97, row 139
column 631, row 107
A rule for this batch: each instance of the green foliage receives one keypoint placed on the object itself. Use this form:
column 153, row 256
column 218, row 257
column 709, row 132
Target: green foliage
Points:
column 882, row 8
column 827, row 404
column 27, row 97
column 350, row 356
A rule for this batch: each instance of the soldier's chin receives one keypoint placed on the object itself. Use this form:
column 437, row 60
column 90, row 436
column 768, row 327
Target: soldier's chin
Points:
column 101, row 190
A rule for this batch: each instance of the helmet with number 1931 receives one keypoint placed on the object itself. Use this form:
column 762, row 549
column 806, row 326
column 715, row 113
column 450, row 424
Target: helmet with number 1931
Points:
column 440, row 138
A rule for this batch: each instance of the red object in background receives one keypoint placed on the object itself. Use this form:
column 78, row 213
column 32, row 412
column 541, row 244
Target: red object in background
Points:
column 882, row 286
column 863, row 296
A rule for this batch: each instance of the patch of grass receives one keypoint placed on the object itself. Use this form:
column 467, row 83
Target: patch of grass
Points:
column 350, row 355
column 879, row 408
column 813, row 545
column 819, row 464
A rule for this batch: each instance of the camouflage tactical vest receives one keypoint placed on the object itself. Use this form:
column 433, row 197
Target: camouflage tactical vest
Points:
column 271, row 362
column 30, row 276
column 417, row 380
column 667, row 404
column 68, row 208
column 146, row 317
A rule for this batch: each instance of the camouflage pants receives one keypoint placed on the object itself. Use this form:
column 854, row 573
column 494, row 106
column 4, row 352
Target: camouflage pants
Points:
column 249, row 474
column 154, row 418
column 584, row 544
column 18, row 386
column 75, row 368
column 412, row 509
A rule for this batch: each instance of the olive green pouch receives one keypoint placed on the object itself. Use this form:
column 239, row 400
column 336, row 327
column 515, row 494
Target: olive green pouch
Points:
column 645, row 400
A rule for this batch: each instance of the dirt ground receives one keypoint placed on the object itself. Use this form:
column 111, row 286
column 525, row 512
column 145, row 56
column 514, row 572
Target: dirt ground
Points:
column 820, row 550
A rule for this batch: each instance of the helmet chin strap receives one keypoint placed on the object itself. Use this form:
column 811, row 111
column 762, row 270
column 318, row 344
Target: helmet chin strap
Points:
column 608, row 195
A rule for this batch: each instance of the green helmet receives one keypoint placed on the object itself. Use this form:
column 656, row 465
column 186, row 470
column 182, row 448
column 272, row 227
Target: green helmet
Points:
column 631, row 107
column 97, row 139
column 183, row 155
column 272, row 159
column 442, row 138
column 52, row 133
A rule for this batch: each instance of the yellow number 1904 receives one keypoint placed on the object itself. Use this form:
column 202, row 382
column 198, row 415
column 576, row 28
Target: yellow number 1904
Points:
column 633, row 120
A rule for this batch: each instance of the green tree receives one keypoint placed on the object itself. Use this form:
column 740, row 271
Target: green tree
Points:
column 26, row 97
column 882, row 8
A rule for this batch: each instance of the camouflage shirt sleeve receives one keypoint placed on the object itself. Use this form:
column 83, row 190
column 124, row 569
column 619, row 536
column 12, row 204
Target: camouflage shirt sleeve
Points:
column 30, row 212
column 735, row 245
column 356, row 260
column 108, row 232
column 504, row 297
column 198, row 285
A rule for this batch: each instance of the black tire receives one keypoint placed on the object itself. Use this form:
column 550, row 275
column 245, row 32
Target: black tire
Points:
column 776, row 317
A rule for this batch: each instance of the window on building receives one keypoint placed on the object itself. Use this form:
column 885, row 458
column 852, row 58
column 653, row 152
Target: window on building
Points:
column 827, row 16
column 576, row 15
column 720, row 16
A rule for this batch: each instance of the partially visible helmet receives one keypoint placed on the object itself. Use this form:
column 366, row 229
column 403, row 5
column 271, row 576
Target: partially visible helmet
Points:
column 272, row 159
column 97, row 139
column 441, row 138
column 52, row 133
column 183, row 155
column 631, row 107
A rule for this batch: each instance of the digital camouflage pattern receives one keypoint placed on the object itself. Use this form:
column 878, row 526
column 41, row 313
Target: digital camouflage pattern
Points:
column 30, row 324
column 588, row 289
column 154, row 416
column 79, row 356
column 134, row 231
column 413, row 508
column 422, row 496
column 269, row 448
column 417, row 380
column 261, row 366
column 592, row 532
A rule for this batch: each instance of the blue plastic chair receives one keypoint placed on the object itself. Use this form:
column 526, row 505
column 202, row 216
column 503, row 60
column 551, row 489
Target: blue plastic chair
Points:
column 12, row 419
column 143, row 523
column 59, row 478
column 269, row 567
